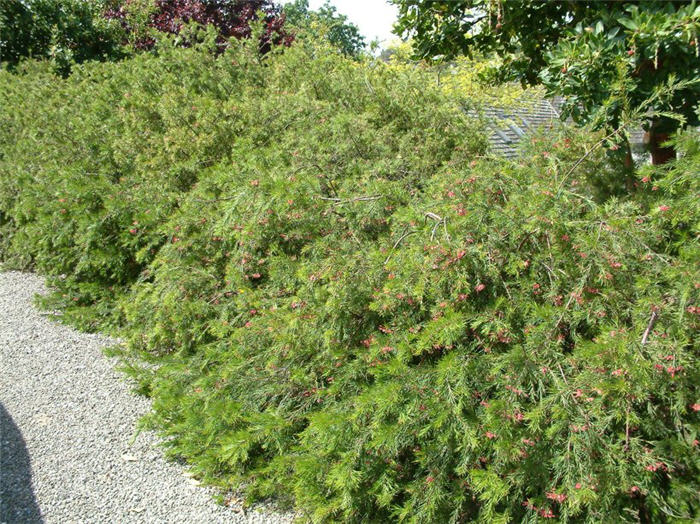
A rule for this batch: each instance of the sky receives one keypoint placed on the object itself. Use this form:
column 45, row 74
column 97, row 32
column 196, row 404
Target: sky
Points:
column 374, row 17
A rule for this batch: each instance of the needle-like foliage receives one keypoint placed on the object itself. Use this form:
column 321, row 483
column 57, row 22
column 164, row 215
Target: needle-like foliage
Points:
column 334, row 296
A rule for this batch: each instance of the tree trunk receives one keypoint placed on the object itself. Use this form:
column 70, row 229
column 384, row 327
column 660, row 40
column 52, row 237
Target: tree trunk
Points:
column 629, row 160
column 659, row 154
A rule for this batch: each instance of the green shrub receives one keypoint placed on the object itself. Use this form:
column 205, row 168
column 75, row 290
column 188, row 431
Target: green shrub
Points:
column 350, row 306
column 88, row 160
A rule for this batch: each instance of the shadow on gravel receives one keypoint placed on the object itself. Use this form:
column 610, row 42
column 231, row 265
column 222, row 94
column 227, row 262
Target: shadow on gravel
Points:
column 17, row 502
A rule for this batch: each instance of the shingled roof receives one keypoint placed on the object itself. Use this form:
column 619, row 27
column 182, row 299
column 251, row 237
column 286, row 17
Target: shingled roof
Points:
column 508, row 127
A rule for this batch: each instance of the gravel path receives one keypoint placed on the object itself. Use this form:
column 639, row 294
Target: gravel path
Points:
column 66, row 421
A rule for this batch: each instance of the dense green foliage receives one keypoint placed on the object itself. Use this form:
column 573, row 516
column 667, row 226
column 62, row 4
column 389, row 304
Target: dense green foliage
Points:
column 144, row 20
column 325, row 22
column 335, row 296
column 74, row 31
column 604, row 58
column 63, row 31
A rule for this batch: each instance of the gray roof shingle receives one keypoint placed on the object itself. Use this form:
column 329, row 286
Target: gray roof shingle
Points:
column 508, row 127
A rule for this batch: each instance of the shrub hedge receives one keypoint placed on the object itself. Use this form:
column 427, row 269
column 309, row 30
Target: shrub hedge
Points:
column 335, row 296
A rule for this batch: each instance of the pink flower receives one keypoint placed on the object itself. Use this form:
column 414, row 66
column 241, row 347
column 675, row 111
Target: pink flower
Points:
column 490, row 435
column 557, row 497
column 664, row 208
column 529, row 505
column 672, row 370
column 578, row 485
column 480, row 287
column 656, row 466
column 695, row 407
column 547, row 513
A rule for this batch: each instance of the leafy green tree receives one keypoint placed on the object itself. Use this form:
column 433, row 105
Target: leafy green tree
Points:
column 65, row 31
column 74, row 31
column 326, row 20
column 605, row 58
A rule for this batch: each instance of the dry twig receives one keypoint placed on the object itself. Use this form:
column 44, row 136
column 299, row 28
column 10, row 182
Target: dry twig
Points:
column 338, row 201
column 650, row 325
column 396, row 244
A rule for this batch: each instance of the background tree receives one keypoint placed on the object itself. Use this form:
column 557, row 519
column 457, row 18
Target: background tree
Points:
column 605, row 58
column 340, row 32
column 231, row 18
column 64, row 31
column 73, row 31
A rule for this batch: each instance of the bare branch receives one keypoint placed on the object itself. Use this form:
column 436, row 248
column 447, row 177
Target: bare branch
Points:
column 396, row 244
column 339, row 201
column 650, row 325
column 432, row 233
column 588, row 153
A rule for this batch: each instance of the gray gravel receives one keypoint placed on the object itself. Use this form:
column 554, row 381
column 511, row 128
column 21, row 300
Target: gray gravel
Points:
column 66, row 424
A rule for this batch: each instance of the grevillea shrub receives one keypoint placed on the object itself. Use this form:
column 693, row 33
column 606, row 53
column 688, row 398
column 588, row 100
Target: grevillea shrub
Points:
column 90, row 165
column 335, row 297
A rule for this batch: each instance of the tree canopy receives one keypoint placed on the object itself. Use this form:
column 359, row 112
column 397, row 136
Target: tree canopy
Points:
column 340, row 32
column 230, row 18
column 605, row 58
column 61, row 30
column 74, row 31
